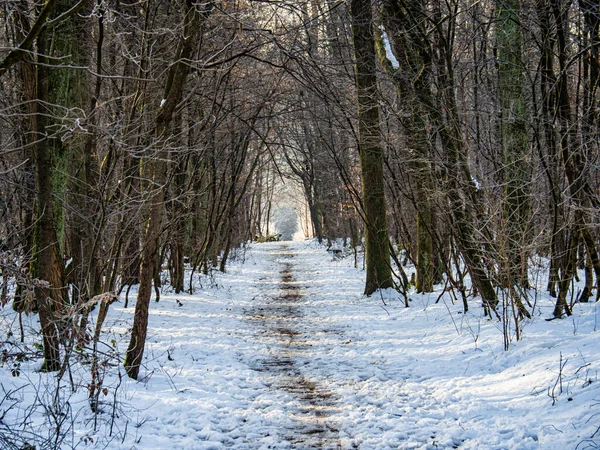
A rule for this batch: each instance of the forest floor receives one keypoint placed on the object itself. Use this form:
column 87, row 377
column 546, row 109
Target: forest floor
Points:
column 285, row 352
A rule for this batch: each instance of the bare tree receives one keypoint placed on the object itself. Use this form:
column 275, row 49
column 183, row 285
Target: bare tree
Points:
column 175, row 84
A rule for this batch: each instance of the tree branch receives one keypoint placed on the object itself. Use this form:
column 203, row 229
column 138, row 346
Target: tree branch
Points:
column 18, row 53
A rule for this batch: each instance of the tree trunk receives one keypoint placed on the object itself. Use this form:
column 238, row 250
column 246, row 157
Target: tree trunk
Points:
column 460, row 189
column 408, row 78
column 176, row 81
column 573, row 157
column 179, row 219
column 515, row 143
column 47, row 263
column 86, row 219
column 412, row 42
column 28, row 76
column 378, row 268
column 566, row 276
column 551, row 159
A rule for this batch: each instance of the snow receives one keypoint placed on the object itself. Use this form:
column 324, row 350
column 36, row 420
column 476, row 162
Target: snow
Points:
column 476, row 183
column 285, row 352
column 388, row 49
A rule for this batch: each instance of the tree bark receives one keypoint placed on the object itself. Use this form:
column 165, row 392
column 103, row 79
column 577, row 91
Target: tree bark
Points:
column 47, row 262
column 407, row 46
column 370, row 149
column 515, row 142
column 176, row 81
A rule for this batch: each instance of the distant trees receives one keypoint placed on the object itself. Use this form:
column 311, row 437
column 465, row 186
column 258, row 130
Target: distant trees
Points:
column 286, row 222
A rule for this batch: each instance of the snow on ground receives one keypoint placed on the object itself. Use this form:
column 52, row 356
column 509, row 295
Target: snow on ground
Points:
column 284, row 351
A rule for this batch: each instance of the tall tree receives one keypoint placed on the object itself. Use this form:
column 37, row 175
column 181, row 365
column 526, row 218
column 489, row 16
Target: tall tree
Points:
column 175, row 84
column 47, row 262
column 378, row 268
column 574, row 162
column 410, row 52
column 515, row 142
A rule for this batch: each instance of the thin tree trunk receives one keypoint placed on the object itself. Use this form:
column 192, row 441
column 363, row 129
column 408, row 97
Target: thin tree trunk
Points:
column 178, row 235
column 174, row 89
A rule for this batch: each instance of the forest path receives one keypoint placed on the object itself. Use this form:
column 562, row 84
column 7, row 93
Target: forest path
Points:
column 283, row 352
column 292, row 334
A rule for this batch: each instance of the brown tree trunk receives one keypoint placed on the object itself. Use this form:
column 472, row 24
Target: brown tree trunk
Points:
column 551, row 159
column 47, row 262
column 378, row 268
column 85, row 216
column 28, row 75
column 176, row 81
column 408, row 78
column 573, row 159
column 178, row 235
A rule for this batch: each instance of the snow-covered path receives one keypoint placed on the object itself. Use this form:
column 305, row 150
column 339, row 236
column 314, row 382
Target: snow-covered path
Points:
column 293, row 333
column 284, row 352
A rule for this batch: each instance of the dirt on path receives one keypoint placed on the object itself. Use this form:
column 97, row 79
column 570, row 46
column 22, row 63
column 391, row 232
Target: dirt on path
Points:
column 285, row 323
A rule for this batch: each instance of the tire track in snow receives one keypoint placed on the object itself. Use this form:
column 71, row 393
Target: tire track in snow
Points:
column 289, row 334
